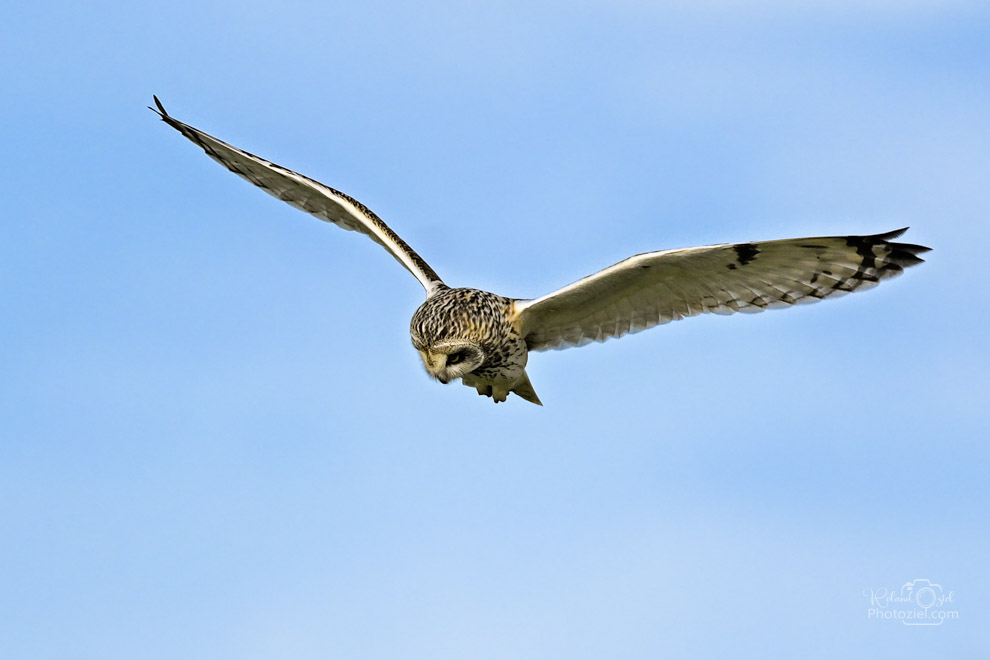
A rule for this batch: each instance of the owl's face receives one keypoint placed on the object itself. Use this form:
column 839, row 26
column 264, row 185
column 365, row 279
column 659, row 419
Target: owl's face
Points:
column 449, row 360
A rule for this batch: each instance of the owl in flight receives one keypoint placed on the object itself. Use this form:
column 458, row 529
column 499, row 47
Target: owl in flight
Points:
column 484, row 338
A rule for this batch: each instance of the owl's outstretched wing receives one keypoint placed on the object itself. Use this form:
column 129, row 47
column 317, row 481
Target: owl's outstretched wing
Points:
column 308, row 195
column 659, row 287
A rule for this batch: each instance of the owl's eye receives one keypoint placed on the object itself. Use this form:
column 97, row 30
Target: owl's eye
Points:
column 454, row 358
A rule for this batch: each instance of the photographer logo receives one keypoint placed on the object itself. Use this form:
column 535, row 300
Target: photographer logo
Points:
column 920, row 602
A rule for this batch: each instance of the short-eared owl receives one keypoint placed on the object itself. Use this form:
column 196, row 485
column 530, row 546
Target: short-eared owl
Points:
column 484, row 338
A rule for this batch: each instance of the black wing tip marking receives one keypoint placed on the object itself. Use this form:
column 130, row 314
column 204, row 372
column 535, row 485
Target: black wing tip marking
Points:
column 161, row 109
column 904, row 255
column 167, row 118
column 882, row 258
column 907, row 251
column 886, row 236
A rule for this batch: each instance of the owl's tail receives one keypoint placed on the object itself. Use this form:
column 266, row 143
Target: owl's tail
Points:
column 524, row 389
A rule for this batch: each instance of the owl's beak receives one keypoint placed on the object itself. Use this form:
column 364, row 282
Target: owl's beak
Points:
column 443, row 379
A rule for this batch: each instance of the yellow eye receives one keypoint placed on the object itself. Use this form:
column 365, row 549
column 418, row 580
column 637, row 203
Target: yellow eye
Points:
column 454, row 358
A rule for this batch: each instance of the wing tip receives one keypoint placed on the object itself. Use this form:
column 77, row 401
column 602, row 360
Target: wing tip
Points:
column 904, row 255
column 161, row 108
column 896, row 256
column 886, row 236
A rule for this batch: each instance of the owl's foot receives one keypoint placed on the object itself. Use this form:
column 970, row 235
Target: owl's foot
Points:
column 498, row 394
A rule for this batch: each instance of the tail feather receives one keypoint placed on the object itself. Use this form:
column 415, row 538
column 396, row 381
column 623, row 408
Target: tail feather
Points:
column 524, row 389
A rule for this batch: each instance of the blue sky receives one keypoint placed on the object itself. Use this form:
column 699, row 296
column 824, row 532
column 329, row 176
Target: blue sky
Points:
column 219, row 443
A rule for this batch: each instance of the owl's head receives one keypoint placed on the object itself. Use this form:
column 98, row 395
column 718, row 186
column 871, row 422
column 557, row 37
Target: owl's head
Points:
column 451, row 359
